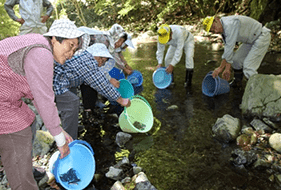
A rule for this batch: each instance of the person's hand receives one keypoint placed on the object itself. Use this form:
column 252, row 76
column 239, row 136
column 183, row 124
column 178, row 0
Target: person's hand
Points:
column 114, row 82
column 226, row 74
column 158, row 66
column 128, row 71
column 216, row 72
column 170, row 69
column 128, row 67
column 125, row 102
column 44, row 18
column 20, row 20
column 128, row 103
column 64, row 150
column 68, row 138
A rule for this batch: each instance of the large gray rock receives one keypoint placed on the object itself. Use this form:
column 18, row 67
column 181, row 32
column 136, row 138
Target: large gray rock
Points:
column 262, row 96
column 227, row 128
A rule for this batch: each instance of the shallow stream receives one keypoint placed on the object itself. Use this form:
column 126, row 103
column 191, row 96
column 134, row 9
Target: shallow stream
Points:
column 179, row 153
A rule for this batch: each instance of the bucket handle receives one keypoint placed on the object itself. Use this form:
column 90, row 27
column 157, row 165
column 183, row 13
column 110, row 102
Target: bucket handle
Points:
column 81, row 142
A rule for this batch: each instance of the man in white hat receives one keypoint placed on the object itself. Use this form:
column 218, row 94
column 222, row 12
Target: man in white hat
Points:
column 255, row 42
column 84, row 68
column 179, row 40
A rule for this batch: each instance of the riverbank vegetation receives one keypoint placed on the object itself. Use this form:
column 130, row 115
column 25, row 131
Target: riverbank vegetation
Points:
column 143, row 15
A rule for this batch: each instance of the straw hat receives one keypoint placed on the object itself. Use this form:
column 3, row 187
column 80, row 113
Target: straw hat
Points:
column 164, row 32
column 207, row 23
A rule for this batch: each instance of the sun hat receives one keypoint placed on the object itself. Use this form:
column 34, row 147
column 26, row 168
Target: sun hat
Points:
column 115, row 31
column 64, row 28
column 207, row 23
column 129, row 41
column 99, row 50
column 164, row 33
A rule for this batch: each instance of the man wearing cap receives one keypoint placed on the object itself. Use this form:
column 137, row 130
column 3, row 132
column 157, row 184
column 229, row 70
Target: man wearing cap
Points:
column 254, row 38
column 179, row 39
column 83, row 68
column 31, row 12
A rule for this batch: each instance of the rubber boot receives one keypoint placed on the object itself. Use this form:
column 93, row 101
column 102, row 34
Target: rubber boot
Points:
column 238, row 77
column 188, row 77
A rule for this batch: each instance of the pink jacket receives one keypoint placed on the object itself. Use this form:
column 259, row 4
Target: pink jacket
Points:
column 27, row 75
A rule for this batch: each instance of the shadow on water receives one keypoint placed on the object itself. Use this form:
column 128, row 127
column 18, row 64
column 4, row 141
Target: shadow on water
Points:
column 179, row 152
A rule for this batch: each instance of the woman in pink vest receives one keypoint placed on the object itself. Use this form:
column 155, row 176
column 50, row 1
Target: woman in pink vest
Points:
column 26, row 70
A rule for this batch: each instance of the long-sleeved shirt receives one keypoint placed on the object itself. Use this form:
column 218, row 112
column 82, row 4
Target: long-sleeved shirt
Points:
column 179, row 35
column 28, row 75
column 238, row 28
column 82, row 69
column 97, row 36
column 30, row 10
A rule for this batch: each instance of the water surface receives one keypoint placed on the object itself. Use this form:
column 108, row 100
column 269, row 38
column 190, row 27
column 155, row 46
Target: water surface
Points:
column 179, row 153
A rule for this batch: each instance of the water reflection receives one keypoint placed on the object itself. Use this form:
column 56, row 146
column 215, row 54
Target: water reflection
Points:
column 163, row 98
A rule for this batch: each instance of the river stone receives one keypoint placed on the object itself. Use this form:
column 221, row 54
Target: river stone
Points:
column 172, row 107
column 262, row 97
column 122, row 138
column 114, row 173
column 227, row 128
column 259, row 125
column 42, row 143
column 275, row 141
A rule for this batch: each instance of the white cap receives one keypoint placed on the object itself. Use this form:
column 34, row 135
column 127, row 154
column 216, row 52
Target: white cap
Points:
column 99, row 50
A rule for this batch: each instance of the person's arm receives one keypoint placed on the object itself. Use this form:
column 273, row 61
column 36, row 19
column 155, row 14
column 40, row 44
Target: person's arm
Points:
column 49, row 7
column 230, row 40
column 127, row 68
column 49, row 11
column 87, row 68
column 98, row 81
column 160, row 53
column 39, row 74
column 9, row 7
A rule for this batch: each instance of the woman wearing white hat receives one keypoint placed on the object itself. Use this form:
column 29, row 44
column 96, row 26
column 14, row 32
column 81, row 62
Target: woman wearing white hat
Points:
column 84, row 68
column 27, row 71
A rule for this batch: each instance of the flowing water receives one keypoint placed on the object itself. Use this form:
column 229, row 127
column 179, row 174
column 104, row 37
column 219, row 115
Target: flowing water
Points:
column 179, row 153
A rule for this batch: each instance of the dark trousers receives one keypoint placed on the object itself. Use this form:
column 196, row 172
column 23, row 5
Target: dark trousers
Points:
column 89, row 96
column 68, row 106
